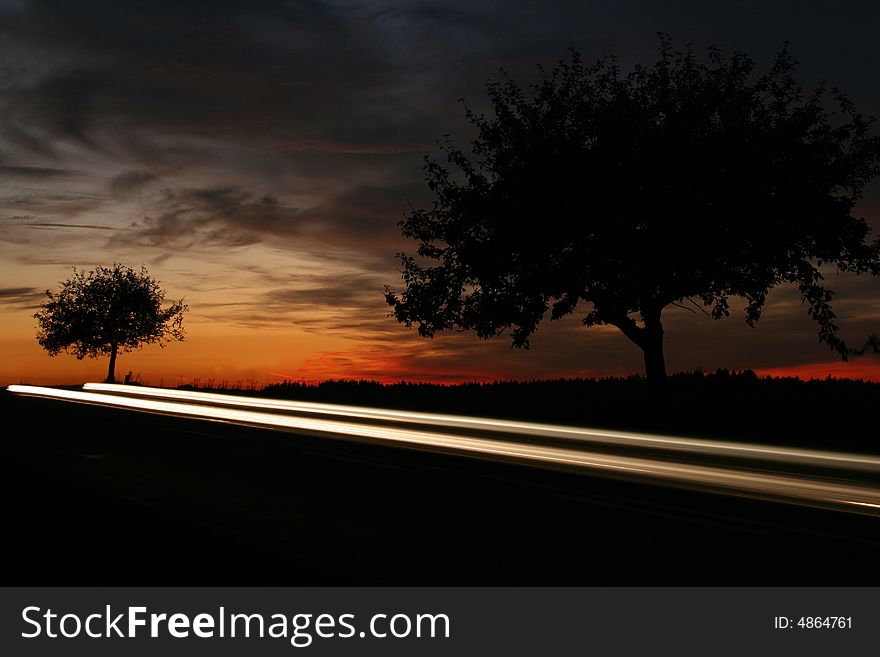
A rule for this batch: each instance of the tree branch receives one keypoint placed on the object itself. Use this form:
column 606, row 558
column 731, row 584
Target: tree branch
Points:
column 699, row 307
column 629, row 328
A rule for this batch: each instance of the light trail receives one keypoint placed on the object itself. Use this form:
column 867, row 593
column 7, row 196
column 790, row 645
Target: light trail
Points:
column 728, row 449
column 851, row 496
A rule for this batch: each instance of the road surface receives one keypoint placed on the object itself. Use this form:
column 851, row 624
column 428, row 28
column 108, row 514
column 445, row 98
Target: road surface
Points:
column 127, row 494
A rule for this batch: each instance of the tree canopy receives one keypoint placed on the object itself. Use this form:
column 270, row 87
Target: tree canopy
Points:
column 685, row 182
column 107, row 311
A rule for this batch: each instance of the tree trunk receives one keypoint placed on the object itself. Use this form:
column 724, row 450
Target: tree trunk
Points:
column 655, row 363
column 111, row 370
column 652, row 347
column 649, row 339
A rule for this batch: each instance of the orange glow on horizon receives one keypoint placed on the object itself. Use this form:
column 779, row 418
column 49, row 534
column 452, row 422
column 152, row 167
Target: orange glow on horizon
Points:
column 865, row 369
column 255, row 358
column 389, row 368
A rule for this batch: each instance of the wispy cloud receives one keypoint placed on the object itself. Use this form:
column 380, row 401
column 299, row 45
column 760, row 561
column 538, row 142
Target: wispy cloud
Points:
column 8, row 171
column 21, row 298
column 222, row 216
column 130, row 182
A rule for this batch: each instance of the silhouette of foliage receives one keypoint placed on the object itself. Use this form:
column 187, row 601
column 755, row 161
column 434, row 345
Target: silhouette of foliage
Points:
column 687, row 404
column 680, row 183
column 107, row 311
column 872, row 346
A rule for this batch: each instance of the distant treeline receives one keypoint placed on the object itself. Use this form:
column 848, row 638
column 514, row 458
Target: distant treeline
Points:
column 833, row 413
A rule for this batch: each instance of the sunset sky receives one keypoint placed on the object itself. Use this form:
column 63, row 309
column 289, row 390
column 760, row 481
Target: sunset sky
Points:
column 256, row 157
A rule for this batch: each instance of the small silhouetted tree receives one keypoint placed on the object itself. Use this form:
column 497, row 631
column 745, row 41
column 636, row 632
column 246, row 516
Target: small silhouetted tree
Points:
column 680, row 183
column 107, row 311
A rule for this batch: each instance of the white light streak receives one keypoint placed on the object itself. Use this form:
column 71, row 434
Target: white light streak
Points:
column 851, row 496
column 730, row 449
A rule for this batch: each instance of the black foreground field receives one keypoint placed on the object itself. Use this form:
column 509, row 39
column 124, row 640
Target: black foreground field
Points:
column 835, row 414
column 101, row 496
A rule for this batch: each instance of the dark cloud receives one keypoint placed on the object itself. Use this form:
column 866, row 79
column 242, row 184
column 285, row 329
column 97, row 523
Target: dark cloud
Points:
column 32, row 205
column 30, row 216
column 34, row 172
column 346, row 78
column 254, row 74
column 365, row 217
column 223, row 216
column 44, row 224
column 21, row 298
column 349, row 302
column 127, row 183
column 353, row 291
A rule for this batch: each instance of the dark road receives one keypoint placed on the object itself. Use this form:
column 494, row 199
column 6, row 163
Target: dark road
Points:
column 105, row 496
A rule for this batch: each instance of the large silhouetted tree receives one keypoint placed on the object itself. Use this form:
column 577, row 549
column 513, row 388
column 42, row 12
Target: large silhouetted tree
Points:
column 683, row 182
column 107, row 311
